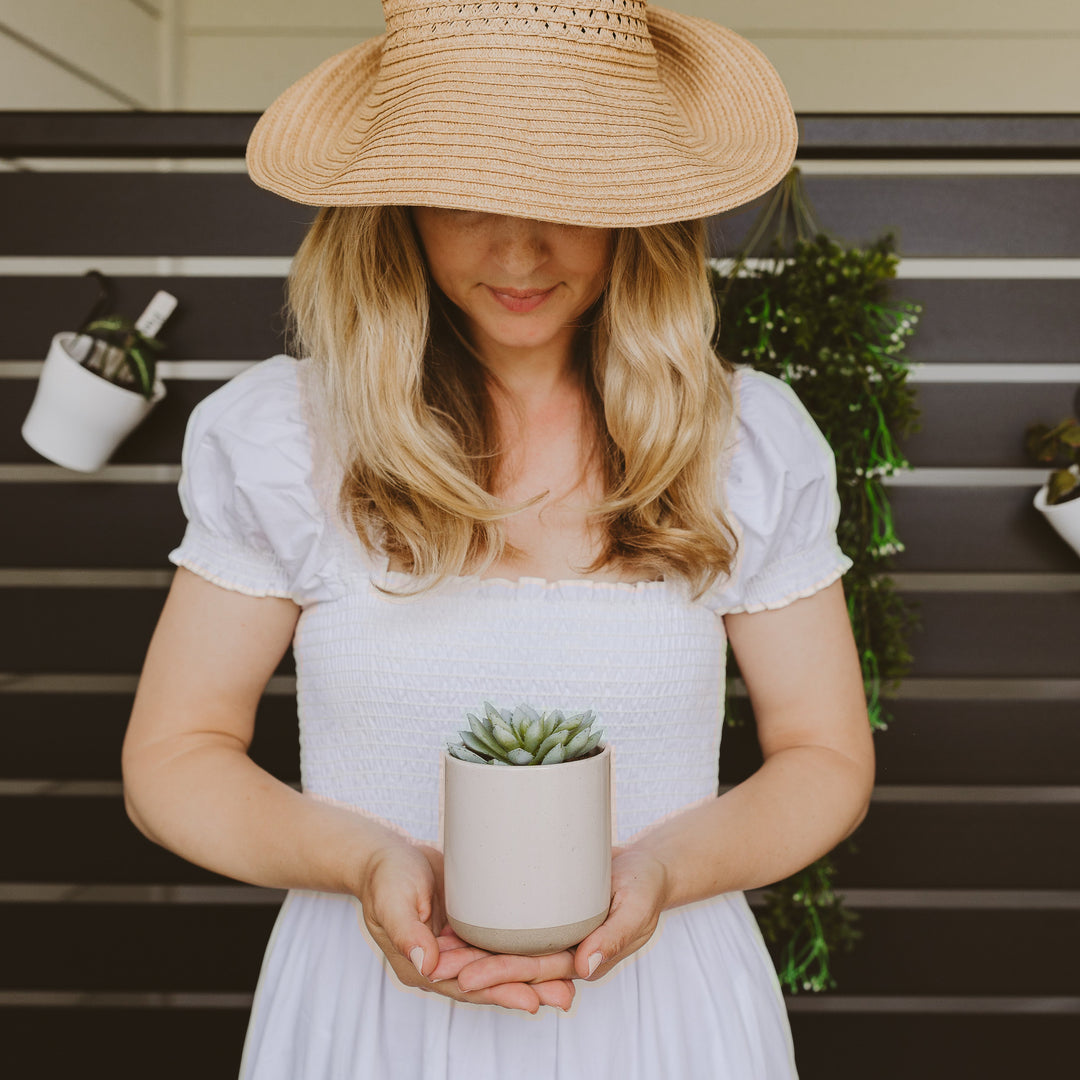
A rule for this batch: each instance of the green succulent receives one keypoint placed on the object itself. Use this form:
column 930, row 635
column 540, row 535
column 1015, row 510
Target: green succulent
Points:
column 526, row 737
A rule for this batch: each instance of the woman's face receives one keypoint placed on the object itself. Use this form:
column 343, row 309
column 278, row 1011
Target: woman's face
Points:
column 521, row 284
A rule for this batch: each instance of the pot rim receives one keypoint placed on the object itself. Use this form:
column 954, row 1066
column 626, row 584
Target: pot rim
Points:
column 604, row 750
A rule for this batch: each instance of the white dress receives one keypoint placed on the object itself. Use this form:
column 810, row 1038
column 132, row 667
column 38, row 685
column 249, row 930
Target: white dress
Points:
column 381, row 684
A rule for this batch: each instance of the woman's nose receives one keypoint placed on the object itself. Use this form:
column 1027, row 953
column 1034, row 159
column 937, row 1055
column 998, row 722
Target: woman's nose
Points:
column 519, row 245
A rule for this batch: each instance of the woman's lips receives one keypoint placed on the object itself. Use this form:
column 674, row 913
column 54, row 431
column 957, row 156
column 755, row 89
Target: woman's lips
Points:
column 521, row 299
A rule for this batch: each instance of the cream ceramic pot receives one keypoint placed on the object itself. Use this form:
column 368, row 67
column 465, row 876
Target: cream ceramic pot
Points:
column 527, row 852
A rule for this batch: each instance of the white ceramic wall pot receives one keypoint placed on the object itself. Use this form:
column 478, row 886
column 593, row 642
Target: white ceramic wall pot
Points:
column 1065, row 517
column 527, row 852
column 78, row 418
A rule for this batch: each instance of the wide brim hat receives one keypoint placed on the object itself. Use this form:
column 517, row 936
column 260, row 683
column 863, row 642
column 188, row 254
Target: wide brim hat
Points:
column 611, row 114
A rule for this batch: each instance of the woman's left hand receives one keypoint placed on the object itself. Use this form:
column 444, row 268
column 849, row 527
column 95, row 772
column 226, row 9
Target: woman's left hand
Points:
column 638, row 893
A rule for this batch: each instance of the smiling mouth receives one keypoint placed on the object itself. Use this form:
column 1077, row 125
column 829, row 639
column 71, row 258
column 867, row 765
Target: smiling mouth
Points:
column 521, row 300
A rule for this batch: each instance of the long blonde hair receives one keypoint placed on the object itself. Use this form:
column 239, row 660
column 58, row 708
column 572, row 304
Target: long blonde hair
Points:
column 408, row 413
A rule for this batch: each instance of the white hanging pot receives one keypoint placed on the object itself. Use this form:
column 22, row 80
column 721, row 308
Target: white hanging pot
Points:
column 527, row 852
column 78, row 417
column 1065, row 517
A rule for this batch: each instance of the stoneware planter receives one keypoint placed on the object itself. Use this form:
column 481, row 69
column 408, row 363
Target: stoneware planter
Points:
column 527, row 852
column 1065, row 517
column 79, row 418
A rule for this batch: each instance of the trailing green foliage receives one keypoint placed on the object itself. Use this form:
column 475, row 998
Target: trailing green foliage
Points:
column 818, row 315
column 134, row 362
column 526, row 737
column 1058, row 445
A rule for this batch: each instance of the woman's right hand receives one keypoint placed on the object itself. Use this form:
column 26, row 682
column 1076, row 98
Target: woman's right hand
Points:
column 401, row 898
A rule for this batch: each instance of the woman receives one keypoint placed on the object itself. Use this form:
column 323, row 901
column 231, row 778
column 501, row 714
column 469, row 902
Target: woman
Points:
column 512, row 468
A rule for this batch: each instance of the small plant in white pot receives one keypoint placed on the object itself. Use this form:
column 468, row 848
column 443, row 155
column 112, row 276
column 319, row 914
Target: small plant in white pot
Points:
column 1058, row 500
column 96, row 386
column 527, row 830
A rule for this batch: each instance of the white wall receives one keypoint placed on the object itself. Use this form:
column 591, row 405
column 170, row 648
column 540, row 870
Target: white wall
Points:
column 834, row 55
column 80, row 54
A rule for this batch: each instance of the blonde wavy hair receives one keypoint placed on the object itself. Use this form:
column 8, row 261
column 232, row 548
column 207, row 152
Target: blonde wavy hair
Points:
column 408, row 412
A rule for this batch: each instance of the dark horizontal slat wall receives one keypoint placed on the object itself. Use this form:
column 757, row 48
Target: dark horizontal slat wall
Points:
column 968, row 902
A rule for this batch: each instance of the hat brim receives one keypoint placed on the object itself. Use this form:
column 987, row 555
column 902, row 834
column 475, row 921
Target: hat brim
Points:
column 568, row 143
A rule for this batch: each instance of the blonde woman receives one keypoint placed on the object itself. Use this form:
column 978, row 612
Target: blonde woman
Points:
column 509, row 466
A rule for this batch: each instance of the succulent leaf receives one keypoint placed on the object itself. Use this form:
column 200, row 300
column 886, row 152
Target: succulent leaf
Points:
column 465, row 754
column 525, row 737
column 555, row 755
column 484, row 735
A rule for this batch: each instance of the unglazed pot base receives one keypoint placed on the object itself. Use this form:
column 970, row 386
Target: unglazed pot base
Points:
column 536, row 942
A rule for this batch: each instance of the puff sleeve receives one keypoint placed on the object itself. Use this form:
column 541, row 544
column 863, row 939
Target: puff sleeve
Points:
column 781, row 492
column 254, row 521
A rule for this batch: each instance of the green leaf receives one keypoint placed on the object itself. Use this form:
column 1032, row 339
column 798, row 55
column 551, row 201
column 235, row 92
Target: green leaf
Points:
column 504, row 735
column 464, row 754
column 520, row 756
column 554, row 756
column 478, row 746
column 483, row 733
column 556, row 738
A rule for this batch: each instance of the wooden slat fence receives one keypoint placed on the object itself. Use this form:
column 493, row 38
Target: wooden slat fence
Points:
column 965, row 873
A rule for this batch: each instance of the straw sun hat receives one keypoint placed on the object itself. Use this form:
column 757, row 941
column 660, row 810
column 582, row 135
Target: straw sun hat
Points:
column 606, row 113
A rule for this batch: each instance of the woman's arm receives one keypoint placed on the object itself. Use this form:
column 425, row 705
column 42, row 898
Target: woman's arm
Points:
column 190, row 785
column 802, row 672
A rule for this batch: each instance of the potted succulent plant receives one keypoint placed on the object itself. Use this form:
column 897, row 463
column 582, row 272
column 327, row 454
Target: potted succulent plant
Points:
column 527, row 830
column 96, row 386
column 1058, row 500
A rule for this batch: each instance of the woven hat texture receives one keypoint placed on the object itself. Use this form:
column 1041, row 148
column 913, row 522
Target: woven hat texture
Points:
column 609, row 114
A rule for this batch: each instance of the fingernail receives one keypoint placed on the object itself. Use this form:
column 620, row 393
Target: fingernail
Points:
column 594, row 962
column 416, row 955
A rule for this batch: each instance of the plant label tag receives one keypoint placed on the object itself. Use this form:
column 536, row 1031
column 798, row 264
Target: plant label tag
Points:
column 157, row 311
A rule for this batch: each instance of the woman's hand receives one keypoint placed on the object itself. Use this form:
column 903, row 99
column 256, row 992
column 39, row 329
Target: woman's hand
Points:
column 638, row 896
column 401, row 898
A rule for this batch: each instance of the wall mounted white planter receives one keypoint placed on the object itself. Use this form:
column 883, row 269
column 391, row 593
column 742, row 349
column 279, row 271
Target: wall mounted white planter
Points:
column 527, row 852
column 1065, row 517
column 79, row 418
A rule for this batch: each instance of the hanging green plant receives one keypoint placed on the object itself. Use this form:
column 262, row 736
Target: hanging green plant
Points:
column 817, row 315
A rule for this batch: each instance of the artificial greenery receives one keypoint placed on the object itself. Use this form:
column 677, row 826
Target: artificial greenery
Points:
column 1058, row 445
column 798, row 305
column 129, row 358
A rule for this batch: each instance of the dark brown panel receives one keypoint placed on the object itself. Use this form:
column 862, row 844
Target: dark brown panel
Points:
column 226, row 214
column 157, row 440
column 123, row 1044
column 963, row 321
column 899, row 845
column 123, row 526
column 962, row 846
column 955, row 216
column 111, row 213
column 954, row 742
column 131, row 947
column 993, row 320
column 821, row 135
column 1002, row 635
column 215, row 319
column 121, row 947
column 867, row 1046
column 78, row 736
column 976, row 529
column 1001, row 529
column 968, row 425
column 948, row 437
column 82, row 630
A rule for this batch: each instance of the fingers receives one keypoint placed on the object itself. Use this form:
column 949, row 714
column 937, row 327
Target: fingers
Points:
column 638, row 889
column 490, row 970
